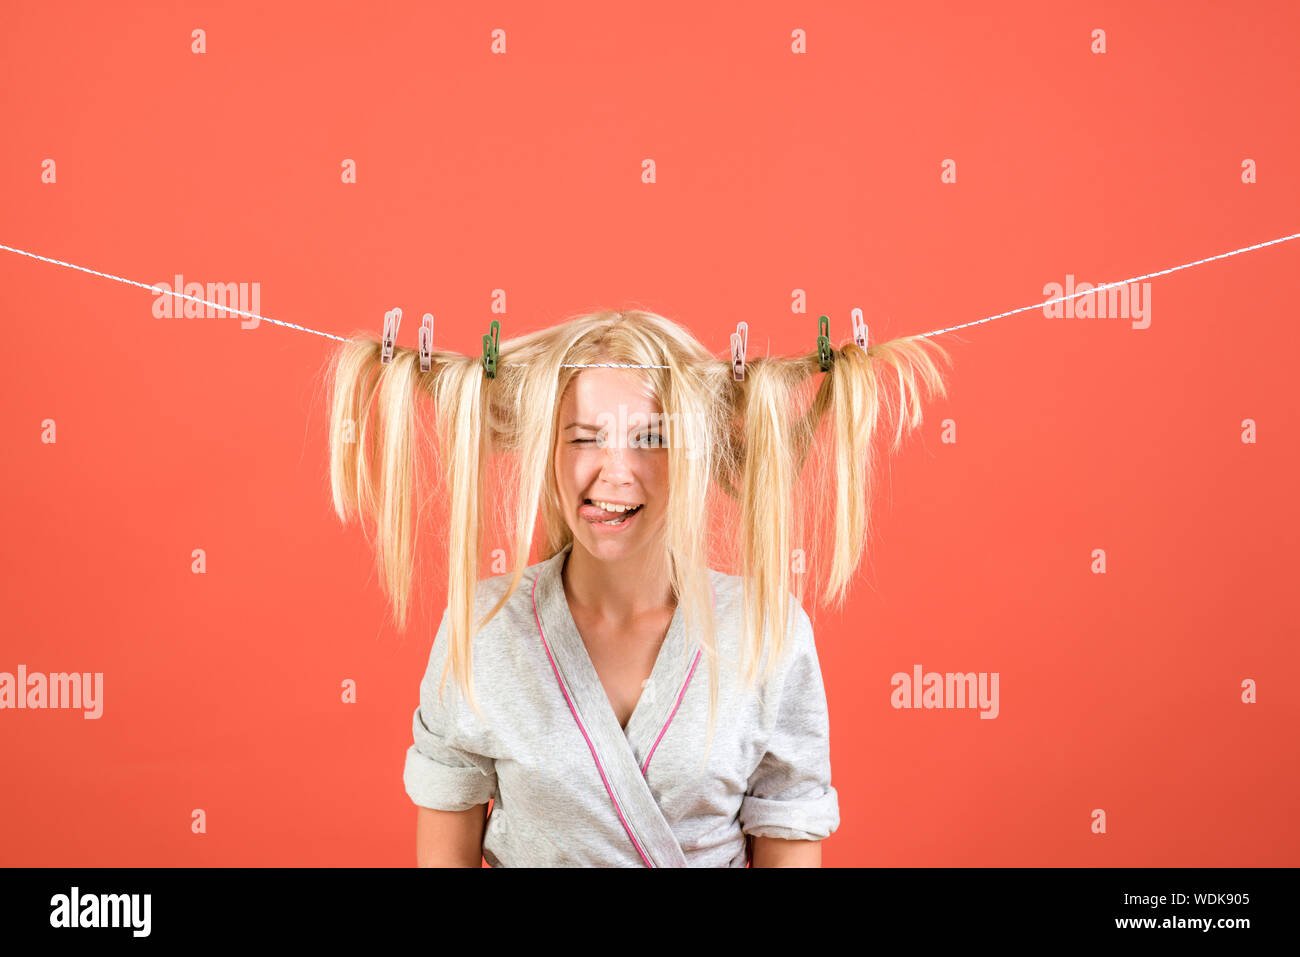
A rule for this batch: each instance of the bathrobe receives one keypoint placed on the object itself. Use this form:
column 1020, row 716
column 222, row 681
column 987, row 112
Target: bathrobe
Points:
column 572, row 788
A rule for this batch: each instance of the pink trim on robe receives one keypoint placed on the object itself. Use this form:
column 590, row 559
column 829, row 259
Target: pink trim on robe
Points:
column 592, row 747
column 664, row 730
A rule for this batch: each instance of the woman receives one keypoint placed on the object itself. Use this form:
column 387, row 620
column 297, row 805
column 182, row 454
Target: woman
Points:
column 592, row 713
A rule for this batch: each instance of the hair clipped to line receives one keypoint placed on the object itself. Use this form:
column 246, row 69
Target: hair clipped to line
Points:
column 797, row 470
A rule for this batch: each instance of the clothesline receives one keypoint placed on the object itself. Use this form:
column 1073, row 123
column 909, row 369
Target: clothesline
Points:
column 936, row 332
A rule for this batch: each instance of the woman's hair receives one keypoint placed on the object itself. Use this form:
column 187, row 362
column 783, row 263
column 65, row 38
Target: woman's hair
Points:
column 779, row 478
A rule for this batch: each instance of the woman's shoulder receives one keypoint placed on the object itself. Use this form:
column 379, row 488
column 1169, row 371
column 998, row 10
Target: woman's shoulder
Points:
column 493, row 638
column 728, row 610
column 729, row 596
column 518, row 604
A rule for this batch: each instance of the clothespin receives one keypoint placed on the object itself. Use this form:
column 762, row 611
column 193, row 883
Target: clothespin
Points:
column 491, row 343
column 859, row 329
column 392, row 319
column 824, row 342
column 426, row 342
column 739, row 346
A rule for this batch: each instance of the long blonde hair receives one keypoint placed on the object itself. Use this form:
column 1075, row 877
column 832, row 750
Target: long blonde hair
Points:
column 797, row 469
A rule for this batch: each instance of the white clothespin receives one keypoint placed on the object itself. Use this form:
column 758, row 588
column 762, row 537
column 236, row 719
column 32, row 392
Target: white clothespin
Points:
column 392, row 319
column 426, row 342
column 739, row 346
column 859, row 329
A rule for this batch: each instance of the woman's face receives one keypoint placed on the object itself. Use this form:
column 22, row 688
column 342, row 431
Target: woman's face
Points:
column 608, row 452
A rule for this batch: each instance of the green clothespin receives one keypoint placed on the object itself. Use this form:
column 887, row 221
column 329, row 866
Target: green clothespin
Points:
column 824, row 342
column 491, row 343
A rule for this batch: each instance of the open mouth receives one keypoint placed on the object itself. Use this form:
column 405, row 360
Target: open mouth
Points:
column 605, row 518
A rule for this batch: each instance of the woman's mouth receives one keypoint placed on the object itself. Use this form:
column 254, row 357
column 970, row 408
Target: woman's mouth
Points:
column 608, row 517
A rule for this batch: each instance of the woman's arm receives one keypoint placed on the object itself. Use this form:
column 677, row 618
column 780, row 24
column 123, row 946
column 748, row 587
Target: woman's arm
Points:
column 449, row 838
column 775, row 852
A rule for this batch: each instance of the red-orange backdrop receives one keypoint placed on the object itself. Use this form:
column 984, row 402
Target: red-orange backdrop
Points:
column 775, row 171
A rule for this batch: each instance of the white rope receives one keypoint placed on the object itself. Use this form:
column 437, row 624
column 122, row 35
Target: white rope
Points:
column 616, row 365
column 132, row 282
column 1125, row 282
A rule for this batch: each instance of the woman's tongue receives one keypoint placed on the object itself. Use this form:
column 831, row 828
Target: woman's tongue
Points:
column 594, row 513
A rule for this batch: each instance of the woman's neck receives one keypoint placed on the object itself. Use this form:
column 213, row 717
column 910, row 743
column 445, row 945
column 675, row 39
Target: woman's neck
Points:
column 618, row 591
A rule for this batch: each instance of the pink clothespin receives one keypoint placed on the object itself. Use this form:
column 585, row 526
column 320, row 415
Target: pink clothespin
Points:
column 739, row 346
column 426, row 342
column 859, row 329
column 392, row 319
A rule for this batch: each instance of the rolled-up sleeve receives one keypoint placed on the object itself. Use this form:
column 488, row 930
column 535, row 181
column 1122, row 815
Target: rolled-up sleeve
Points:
column 439, row 774
column 790, row 794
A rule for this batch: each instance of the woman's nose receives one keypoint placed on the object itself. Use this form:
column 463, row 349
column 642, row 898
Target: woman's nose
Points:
column 613, row 460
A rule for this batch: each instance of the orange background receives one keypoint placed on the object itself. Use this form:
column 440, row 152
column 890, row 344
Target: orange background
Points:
column 775, row 172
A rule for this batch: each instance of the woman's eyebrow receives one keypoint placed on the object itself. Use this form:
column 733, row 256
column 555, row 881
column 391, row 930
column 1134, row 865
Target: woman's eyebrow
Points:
column 596, row 428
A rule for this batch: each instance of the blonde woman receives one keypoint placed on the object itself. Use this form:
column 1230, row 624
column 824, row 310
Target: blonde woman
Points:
column 620, row 701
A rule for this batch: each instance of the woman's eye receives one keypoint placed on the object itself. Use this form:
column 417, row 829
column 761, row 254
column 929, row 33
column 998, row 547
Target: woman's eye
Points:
column 653, row 440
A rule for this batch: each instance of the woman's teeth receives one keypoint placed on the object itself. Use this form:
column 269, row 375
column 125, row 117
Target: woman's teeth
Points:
column 627, row 511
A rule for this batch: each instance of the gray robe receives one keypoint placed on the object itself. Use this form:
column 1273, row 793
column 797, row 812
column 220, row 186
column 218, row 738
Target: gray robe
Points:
column 573, row 788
